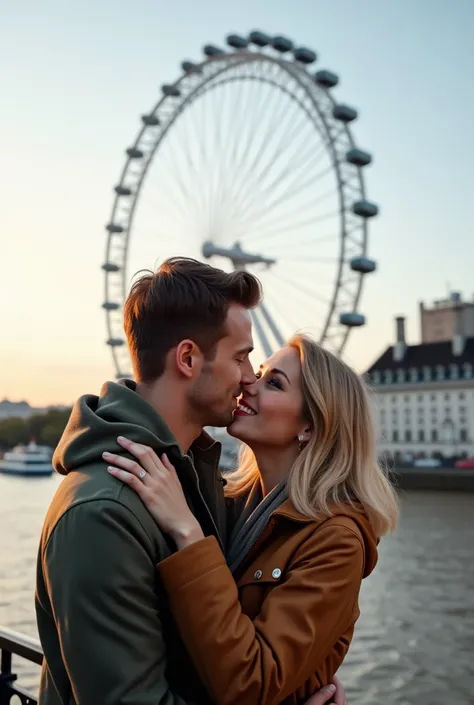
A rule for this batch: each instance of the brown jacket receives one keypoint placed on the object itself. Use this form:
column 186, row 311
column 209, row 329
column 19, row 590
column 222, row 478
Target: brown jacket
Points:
column 285, row 628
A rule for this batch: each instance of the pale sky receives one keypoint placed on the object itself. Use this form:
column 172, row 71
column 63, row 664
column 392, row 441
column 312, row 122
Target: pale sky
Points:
column 76, row 77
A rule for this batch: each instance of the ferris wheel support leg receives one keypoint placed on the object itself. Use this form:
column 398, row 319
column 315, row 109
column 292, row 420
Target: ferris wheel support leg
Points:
column 267, row 348
column 272, row 325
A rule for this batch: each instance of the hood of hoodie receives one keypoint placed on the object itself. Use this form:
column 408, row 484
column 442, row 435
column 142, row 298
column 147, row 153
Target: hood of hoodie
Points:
column 356, row 514
column 96, row 421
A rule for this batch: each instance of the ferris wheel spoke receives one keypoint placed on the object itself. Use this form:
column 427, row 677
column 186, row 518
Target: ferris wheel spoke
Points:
column 291, row 125
column 294, row 125
column 263, row 135
column 180, row 205
column 236, row 162
column 166, row 211
column 282, row 312
column 295, row 169
column 296, row 163
column 301, row 289
column 256, row 190
column 239, row 113
column 200, row 197
column 257, row 216
column 241, row 177
column 296, row 270
column 219, row 172
column 310, row 260
column 267, row 228
column 237, row 107
column 290, row 245
column 261, row 191
column 250, row 126
column 172, row 159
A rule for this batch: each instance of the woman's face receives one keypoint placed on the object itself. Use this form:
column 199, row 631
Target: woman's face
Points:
column 270, row 410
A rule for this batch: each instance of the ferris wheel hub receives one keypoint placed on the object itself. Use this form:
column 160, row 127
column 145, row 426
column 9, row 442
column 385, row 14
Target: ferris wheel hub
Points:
column 236, row 254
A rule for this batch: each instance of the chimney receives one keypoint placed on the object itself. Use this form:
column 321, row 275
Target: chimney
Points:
column 400, row 345
column 458, row 337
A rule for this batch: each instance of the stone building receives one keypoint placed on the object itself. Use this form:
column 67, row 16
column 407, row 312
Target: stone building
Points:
column 424, row 401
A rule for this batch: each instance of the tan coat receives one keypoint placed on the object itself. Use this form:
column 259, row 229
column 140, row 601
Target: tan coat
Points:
column 285, row 628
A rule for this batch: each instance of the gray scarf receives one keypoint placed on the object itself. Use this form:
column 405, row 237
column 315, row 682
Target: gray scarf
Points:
column 253, row 521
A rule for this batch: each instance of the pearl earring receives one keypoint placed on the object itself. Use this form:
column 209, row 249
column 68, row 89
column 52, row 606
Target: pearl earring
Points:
column 300, row 444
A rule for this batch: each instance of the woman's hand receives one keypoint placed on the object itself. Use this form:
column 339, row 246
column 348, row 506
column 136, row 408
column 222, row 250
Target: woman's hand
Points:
column 157, row 484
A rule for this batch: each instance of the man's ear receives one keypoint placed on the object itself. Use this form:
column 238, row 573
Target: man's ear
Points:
column 188, row 358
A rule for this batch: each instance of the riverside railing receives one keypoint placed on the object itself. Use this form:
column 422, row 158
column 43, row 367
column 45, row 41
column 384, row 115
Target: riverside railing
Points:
column 14, row 644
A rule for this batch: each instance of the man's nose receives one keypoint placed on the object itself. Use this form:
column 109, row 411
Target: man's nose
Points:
column 248, row 375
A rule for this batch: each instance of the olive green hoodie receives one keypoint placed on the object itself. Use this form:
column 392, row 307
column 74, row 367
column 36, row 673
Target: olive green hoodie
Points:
column 104, row 623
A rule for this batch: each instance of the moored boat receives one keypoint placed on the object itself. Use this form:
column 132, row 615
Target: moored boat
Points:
column 30, row 460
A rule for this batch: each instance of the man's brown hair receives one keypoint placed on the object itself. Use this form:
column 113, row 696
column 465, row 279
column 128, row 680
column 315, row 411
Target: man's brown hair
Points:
column 183, row 299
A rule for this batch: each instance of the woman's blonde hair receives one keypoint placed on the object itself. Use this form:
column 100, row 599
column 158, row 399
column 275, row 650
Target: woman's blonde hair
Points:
column 339, row 463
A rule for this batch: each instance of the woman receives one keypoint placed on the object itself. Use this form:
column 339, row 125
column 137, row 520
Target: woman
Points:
column 274, row 622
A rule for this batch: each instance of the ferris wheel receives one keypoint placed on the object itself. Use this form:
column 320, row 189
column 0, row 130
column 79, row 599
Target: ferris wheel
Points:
column 248, row 161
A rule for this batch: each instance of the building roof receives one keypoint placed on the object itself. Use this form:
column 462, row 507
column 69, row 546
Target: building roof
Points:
column 425, row 355
column 8, row 405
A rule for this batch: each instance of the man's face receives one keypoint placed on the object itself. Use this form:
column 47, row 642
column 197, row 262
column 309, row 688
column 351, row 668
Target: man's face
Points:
column 213, row 396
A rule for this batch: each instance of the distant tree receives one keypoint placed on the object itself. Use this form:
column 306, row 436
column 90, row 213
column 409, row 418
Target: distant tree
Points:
column 12, row 432
column 46, row 429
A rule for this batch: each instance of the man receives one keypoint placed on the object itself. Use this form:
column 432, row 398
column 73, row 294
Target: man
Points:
column 106, row 631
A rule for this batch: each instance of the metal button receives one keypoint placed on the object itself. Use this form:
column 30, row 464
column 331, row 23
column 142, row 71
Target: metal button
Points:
column 258, row 574
column 276, row 573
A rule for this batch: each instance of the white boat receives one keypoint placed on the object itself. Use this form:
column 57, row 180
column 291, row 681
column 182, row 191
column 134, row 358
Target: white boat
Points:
column 32, row 460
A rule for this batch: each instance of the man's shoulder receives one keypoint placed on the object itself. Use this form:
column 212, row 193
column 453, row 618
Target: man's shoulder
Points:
column 88, row 494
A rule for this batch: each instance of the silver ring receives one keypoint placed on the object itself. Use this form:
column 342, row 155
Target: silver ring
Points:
column 141, row 474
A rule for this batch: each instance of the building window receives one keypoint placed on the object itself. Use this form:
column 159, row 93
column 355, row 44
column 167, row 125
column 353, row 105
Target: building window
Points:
column 420, row 397
column 394, row 399
column 413, row 374
column 439, row 372
column 434, row 435
column 446, row 397
column 395, row 436
column 463, row 435
column 421, row 435
column 426, row 373
column 388, row 376
column 382, row 415
column 406, row 398
column 408, row 435
column 462, row 395
column 376, row 377
column 400, row 376
column 454, row 371
column 462, row 409
column 467, row 369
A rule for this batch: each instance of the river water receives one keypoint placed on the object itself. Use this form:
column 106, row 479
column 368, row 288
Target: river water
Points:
column 415, row 638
